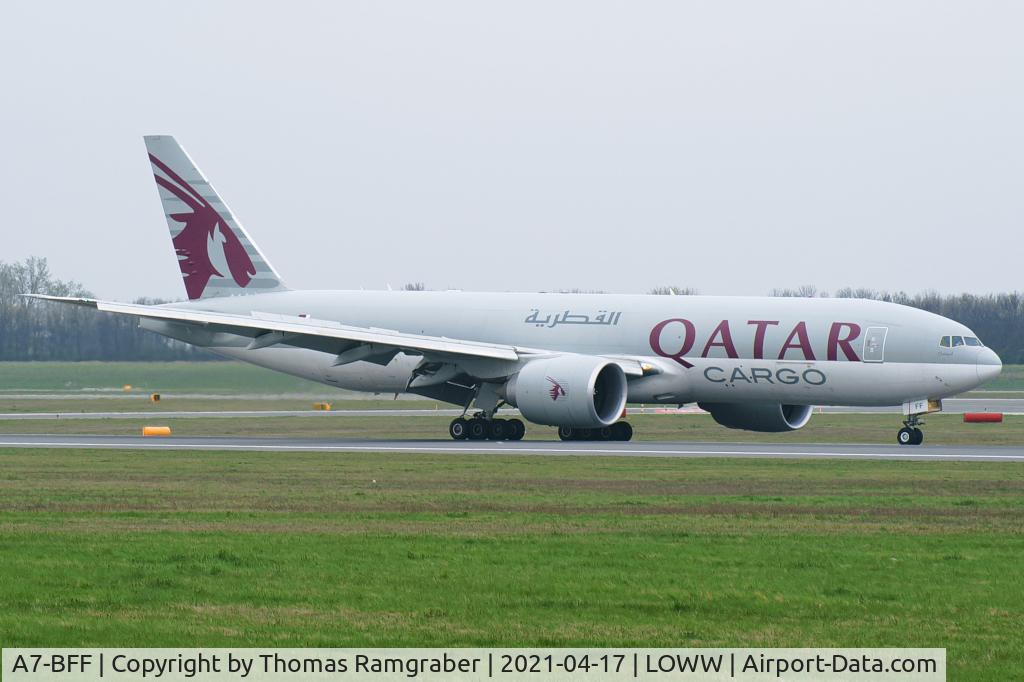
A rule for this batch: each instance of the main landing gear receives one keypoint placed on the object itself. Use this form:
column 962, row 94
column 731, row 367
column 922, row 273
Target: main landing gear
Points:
column 481, row 428
column 910, row 434
column 617, row 431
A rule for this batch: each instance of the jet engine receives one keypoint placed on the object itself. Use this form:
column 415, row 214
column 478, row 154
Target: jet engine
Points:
column 581, row 391
column 770, row 417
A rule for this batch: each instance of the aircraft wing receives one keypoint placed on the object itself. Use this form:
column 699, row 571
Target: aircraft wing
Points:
column 267, row 329
column 347, row 342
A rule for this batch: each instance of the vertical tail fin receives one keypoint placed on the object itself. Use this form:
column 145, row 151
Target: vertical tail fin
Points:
column 215, row 253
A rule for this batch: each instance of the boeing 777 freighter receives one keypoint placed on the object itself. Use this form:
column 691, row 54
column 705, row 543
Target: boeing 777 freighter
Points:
column 568, row 360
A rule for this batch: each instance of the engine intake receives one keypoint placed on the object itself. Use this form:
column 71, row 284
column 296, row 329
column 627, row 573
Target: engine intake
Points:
column 767, row 417
column 569, row 390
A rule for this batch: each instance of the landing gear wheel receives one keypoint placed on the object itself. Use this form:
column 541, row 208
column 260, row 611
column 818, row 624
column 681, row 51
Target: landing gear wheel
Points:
column 910, row 434
column 457, row 429
column 516, row 429
column 498, row 430
column 567, row 433
column 477, row 429
column 622, row 431
column 604, row 433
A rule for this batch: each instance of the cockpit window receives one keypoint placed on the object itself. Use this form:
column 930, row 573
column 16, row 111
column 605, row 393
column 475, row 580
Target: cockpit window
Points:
column 954, row 341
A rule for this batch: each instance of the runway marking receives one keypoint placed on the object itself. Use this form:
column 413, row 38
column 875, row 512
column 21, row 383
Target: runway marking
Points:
column 455, row 449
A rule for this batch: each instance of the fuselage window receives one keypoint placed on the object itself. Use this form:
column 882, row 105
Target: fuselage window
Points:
column 972, row 341
column 944, row 342
column 958, row 341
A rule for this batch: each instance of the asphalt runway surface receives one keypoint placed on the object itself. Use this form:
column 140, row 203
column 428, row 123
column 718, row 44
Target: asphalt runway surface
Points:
column 544, row 448
column 950, row 405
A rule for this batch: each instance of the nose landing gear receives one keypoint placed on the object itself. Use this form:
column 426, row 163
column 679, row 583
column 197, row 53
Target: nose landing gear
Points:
column 910, row 434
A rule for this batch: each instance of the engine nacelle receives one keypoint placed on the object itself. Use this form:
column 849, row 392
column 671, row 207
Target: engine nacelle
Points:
column 769, row 417
column 569, row 390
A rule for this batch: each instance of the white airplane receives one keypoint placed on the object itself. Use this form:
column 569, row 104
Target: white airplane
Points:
column 568, row 360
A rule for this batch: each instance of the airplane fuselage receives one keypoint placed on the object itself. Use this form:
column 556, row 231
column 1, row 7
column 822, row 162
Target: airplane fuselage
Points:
column 703, row 348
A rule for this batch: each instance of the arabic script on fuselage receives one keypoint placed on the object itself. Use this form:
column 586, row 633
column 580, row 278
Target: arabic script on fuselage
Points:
column 601, row 317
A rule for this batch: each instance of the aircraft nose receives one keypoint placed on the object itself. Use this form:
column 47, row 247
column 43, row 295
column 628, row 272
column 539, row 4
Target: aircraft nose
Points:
column 989, row 365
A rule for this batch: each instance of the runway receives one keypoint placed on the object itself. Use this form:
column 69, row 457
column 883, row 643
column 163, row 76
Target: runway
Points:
column 1009, row 406
column 543, row 448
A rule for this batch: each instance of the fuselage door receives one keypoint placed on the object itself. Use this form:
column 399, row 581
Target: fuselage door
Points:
column 874, row 344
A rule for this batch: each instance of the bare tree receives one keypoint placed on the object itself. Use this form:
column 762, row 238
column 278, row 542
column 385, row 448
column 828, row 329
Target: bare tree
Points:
column 673, row 291
column 33, row 330
column 804, row 291
column 862, row 292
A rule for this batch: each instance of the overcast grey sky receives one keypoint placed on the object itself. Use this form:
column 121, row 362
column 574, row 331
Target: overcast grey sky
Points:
column 728, row 146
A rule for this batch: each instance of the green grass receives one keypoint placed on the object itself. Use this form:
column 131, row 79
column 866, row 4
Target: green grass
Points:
column 249, row 549
column 189, row 377
column 947, row 429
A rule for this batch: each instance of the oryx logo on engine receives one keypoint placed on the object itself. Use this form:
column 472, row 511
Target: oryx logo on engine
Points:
column 556, row 391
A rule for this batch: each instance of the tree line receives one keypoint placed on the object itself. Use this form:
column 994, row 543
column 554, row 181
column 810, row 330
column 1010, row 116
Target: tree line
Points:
column 33, row 330
column 998, row 319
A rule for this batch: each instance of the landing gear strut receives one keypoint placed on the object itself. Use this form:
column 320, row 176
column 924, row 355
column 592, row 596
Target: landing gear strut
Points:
column 481, row 428
column 910, row 434
column 617, row 431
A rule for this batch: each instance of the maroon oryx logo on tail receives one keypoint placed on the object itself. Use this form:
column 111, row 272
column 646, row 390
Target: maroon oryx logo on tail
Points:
column 556, row 391
column 204, row 228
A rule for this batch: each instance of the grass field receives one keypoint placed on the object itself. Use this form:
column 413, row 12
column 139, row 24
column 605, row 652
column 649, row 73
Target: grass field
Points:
column 154, row 548
column 160, row 549
column 147, row 377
